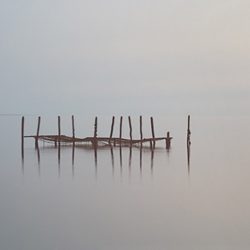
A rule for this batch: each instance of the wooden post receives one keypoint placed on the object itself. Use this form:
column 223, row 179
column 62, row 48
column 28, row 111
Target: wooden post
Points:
column 168, row 141
column 120, row 135
column 95, row 132
column 37, row 132
column 73, row 129
column 188, row 132
column 130, row 130
column 22, row 137
column 153, row 131
column 59, row 129
column 141, row 129
column 112, row 128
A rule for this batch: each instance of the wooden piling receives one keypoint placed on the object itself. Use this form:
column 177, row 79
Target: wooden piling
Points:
column 141, row 127
column 22, row 137
column 120, row 135
column 112, row 129
column 95, row 132
column 37, row 131
column 168, row 141
column 188, row 132
column 73, row 128
column 59, row 129
column 153, row 131
column 130, row 129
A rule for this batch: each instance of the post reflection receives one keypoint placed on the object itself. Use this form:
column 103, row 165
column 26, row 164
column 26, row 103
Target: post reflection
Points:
column 38, row 160
column 141, row 166
column 59, row 159
column 73, row 160
column 112, row 160
column 141, row 161
column 152, row 162
column 120, row 150
column 188, row 157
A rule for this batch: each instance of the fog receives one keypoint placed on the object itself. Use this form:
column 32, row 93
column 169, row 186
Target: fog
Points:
column 105, row 57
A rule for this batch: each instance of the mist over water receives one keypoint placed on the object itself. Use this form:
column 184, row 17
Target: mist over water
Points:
column 127, row 200
column 165, row 59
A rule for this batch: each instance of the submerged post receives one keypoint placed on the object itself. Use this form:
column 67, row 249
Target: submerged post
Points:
column 153, row 131
column 168, row 141
column 112, row 128
column 188, row 132
column 37, row 131
column 130, row 129
column 59, row 129
column 95, row 132
column 73, row 129
column 120, row 135
column 22, row 137
column 141, row 129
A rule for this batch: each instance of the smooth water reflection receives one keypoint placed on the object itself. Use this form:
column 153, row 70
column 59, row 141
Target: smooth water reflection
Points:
column 115, row 152
column 129, row 198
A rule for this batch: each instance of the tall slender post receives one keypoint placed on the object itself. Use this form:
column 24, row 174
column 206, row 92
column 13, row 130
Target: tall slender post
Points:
column 120, row 134
column 153, row 131
column 59, row 129
column 22, row 137
column 141, row 128
column 37, row 131
column 130, row 129
column 188, row 132
column 73, row 129
column 95, row 132
column 112, row 129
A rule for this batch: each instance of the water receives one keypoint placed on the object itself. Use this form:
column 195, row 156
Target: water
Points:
column 158, row 202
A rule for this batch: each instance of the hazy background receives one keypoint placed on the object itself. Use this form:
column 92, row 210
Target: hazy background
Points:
column 113, row 56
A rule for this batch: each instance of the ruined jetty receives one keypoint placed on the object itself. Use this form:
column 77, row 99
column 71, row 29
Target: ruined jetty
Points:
column 95, row 140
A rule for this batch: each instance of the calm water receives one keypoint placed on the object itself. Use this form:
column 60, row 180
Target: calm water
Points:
column 127, row 200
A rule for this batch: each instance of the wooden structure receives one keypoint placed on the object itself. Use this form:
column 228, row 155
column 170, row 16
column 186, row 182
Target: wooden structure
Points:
column 96, row 140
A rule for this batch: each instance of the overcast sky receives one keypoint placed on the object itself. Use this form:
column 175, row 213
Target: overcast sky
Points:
column 113, row 56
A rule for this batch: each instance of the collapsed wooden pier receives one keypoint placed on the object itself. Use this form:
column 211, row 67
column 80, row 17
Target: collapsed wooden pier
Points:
column 95, row 140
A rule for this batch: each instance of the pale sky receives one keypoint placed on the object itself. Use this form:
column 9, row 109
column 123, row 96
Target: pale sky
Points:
column 113, row 56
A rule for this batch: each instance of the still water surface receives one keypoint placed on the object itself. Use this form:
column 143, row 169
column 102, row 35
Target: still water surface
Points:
column 127, row 200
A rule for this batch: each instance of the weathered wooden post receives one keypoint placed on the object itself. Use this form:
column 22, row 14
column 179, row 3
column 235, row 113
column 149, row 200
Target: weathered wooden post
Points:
column 73, row 129
column 141, row 129
column 112, row 128
column 168, row 141
column 120, row 134
column 130, row 130
column 37, row 132
column 153, row 131
column 22, row 137
column 95, row 133
column 188, row 132
column 59, row 130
